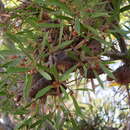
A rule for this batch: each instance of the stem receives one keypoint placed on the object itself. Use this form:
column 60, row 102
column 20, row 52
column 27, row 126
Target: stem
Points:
column 122, row 43
column 128, row 93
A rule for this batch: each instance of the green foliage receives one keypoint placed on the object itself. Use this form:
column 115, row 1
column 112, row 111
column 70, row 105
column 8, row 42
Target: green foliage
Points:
column 51, row 50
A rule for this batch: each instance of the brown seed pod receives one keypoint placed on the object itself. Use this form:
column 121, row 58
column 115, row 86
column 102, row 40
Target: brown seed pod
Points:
column 122, row 75
column 63, row 61
column 94, row 46
column 39, row 82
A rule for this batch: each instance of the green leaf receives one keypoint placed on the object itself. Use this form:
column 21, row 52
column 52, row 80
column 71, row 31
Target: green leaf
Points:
column 74, row 123
column 9, row 52
column 78, row 110
column 43, row 91
column 98, row 78
column 63, row 17
column 107, row 71
column 84, row 89
column 28, row 82
column 61, row 32
column 49, row 25
column 99, row 14
column 77, row 25
column 93, row 30
column 54, row 71
column 65, row 93
column 43, row 73
column 41, row 120
column 11, row 63
column 66, row 75
column 12, row 69
column 86, row 50
column 25, row 122
column 126, row 8
column 21, row 111
column 36, row 123
column 3, row 93
column 65, row 44
column 61, row 5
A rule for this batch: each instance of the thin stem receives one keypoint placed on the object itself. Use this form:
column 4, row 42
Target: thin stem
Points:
column 128, row 93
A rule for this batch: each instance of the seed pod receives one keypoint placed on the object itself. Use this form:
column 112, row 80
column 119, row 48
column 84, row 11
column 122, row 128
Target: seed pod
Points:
column 64, row 62
column 122, row 75
column 39, row 82
column 94, row 46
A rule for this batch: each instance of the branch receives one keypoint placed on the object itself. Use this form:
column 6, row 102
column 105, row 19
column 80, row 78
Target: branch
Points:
column 117, row 56
column 121, row 41
column 128, row 94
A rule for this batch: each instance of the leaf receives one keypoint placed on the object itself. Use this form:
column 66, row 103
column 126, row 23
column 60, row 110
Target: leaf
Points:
column 36, row 123
column 12, row 69
column 65, row 44
column 41, row 120
column 10, row 63
column 78, row 110
column 61, row 5
column 25, row 122
column 66, row 75
column 54, row 71
column 43, row 91
column 49, row 25
column 106, row 70
column 43, row 73
column 98, row 78
column 126, row 8
column 63, row 17
column 28, row 82
column 77, row 25
column 3, row 93
column 86, row 50
column 84, row 89
column 74, row 123
column 65, row 93
column 99, row 14
column 61, row 33
column 21, row 111
column 90, row 28
column 9, row 52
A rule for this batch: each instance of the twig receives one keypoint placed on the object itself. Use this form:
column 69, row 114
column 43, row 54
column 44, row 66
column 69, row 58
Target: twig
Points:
column 122, row 43
column 117, row 56
column 128, row 93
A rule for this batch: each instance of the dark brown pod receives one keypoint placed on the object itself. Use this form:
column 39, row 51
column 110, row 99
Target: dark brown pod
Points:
column 64, row 62
column 122, row 75
column 39, row 82
column 94, row 46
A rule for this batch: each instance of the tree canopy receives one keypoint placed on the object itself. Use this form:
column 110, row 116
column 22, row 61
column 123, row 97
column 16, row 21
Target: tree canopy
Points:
column 55, row 52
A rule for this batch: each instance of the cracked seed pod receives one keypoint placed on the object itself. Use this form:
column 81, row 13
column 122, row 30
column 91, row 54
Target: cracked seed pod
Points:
column 64, row 62
column 94, row 46
column 122, row 75
column 39, row 82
